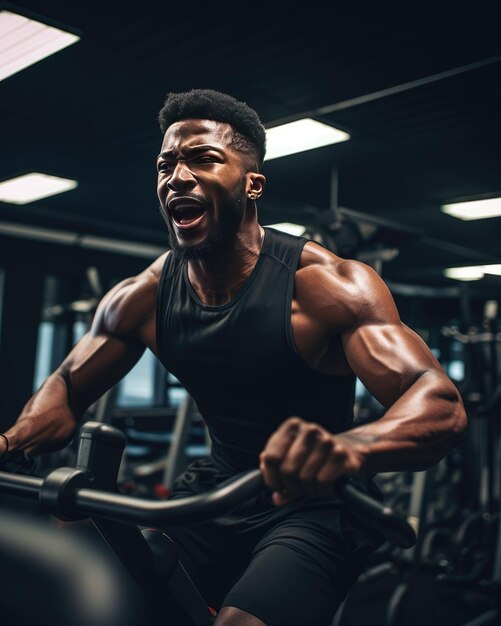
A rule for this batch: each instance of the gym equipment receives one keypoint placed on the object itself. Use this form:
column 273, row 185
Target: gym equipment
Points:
column 89, row 489
column 162, row 441
column 458, row 550
column 477, row 563
column 453, row 574
column 168, row 466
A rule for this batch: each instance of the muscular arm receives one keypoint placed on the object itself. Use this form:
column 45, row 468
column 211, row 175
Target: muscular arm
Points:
column 123, row 325
column 425, row 415
column 424, row 418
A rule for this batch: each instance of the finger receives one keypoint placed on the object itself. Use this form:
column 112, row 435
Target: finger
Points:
column 302, row 448
column 334, row 467
column 275, row 451
column 311, row 468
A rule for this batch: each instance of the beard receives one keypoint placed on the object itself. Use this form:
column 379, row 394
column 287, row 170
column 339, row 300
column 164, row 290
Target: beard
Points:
column 223, row 234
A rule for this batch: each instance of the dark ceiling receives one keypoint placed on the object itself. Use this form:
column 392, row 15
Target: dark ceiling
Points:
column 89, row 113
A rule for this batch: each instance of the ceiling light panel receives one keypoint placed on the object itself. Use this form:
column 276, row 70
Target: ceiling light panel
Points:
column 465, row 273
column 493, row 269
column 32, row 187
column 288, row 227
column 24, row 41
column 299, row 136
column 473, row 272
column 474, row 210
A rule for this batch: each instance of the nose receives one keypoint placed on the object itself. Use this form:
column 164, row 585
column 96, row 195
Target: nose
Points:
column 181, row 178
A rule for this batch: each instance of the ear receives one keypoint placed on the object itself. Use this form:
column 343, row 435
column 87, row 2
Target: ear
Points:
column 254, row 184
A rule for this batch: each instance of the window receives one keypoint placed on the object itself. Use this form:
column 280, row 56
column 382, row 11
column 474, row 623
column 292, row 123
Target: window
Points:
column 45, row 345
column 138, row 387
column 176, row 393
column 79, row 330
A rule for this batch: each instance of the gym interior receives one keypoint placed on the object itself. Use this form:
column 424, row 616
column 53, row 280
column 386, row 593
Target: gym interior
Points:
column 408, row 181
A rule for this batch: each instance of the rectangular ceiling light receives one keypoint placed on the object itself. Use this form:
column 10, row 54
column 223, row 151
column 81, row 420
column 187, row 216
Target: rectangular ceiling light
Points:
column 287, row 227
column 493, row 269
column 299, row 136
column 34, row 186
column 474, row 210
column 24, row 42
column 474, row 272
column 465, row 273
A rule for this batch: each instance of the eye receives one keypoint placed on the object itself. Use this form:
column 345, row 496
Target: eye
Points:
column 163, row 166
column 206, row 159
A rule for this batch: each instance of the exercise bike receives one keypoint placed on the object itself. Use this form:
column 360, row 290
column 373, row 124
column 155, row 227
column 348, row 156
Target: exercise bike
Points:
column 168, row 596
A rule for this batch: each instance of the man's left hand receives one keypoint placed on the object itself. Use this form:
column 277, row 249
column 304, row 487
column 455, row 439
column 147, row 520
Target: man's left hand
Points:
column 302, row 458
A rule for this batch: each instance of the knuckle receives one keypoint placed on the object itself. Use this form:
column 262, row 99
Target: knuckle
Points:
column 338, row 454
column 270, row 459
column 293, row 422
column 326, row 444
column 313, row 430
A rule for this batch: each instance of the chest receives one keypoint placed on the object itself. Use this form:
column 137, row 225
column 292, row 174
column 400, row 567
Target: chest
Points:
column 253, row 325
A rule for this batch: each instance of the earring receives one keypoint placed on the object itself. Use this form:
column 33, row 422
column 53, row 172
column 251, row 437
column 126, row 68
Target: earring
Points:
column 252, row 196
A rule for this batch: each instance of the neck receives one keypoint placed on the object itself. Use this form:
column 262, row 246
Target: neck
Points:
column 218, row 279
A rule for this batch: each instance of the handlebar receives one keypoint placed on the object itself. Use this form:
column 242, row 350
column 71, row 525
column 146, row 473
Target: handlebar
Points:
column 200, row 508
column 73, row 492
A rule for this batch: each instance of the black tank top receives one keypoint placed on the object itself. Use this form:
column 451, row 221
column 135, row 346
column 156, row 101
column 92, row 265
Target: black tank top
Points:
column 239, row 360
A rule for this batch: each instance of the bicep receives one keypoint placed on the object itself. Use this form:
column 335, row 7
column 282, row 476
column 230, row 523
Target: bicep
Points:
column 388, row 358
column 386, row 355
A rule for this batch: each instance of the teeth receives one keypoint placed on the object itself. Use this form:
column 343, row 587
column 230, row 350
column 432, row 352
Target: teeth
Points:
column 184, row 208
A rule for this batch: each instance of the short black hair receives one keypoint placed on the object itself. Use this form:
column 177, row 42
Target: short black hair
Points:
column 249, row 135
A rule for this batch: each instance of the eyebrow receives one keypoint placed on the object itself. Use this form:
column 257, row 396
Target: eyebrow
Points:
column 191, row 150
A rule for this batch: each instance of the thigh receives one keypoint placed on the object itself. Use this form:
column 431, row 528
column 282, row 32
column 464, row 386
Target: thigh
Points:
column 204, row 555
column 301, row 570
column 283, row 588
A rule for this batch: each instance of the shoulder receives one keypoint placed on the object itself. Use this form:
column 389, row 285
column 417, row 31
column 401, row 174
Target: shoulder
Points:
column 341, row 291
column 131, row 304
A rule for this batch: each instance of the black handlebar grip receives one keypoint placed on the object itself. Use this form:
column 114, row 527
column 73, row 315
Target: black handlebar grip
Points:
column 394, row 528
column 100, row 449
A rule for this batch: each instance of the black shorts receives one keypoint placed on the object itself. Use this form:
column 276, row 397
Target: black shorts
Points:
column 291, row 565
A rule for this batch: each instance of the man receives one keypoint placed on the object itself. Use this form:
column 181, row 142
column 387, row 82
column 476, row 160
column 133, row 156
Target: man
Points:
column 267, row 332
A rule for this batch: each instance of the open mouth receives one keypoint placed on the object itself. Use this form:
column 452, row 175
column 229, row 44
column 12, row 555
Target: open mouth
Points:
column 187, row 216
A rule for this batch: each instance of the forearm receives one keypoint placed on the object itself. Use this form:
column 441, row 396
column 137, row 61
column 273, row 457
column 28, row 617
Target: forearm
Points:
column 417, row 431
column 47, row 422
